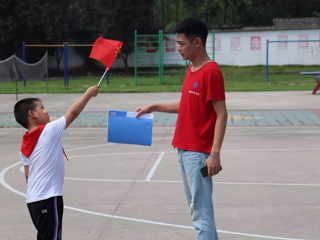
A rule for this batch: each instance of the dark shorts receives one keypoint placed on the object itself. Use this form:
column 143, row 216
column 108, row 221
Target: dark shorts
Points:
column 46, row 216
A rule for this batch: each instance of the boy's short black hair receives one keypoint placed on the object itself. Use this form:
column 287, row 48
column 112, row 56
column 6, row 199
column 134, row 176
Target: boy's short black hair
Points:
column 192, row 28
column 22, row 108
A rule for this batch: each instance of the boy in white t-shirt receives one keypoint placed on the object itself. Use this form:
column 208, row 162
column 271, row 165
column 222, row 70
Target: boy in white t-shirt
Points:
column 42, row 156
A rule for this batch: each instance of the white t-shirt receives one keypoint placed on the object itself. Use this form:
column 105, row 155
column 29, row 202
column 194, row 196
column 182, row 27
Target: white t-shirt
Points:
column 46, row 163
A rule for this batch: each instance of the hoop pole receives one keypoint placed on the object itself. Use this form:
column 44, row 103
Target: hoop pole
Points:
column 135, row 57
column 67, row 65
column 47, row 73
column 267, row 63
column 64, row 65
column 160, row 48
column 107, row 77
column 16, row 90
column 280, row 41
column 213, row 44
column 159, row 59
column 24, row 60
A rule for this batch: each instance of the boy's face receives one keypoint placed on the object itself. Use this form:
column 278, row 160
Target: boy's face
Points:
column 39, row 114
column 186, row 48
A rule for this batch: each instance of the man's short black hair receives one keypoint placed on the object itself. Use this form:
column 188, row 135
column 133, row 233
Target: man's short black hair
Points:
column 192, row 28
column 22, row 108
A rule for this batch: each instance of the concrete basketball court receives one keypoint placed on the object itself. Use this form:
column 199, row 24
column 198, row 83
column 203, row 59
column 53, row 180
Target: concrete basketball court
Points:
column 269, row 187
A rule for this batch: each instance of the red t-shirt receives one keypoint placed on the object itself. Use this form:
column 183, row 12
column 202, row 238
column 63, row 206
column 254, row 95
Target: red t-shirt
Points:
column 197, row 117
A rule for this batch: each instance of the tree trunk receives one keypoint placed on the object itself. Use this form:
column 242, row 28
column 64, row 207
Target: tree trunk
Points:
column 177, row 10
column 58, row 58
column 225, row 11
column 163, row 13
column 265, row 13
column 125, row 61
column 206, row 12
column 194, row 9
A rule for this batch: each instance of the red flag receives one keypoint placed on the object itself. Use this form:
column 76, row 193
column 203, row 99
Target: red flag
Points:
column 105, row 51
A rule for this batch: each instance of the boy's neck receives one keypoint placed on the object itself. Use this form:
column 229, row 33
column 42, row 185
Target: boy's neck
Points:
column 32, row 127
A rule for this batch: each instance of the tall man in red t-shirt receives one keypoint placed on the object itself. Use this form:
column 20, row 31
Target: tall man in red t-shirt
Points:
column 201, row 123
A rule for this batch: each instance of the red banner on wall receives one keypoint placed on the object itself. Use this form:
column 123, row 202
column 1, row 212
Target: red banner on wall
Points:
column 303, row 45
column 235, row 44
column 282, row 45
column 170, row 45
column 217, row 44
column 152, row 45
column 255, row 43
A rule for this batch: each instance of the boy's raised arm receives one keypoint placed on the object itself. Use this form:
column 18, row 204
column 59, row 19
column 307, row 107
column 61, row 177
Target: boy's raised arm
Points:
column 79, row 105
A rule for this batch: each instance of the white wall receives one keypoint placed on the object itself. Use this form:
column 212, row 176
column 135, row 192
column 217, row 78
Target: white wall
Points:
column 252, row 48
column 248, row 48
column 242, row 48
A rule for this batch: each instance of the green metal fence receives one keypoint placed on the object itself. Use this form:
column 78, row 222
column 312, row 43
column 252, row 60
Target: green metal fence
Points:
column 156, row 57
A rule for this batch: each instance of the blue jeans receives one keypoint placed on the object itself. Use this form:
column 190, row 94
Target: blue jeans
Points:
column 199, row 193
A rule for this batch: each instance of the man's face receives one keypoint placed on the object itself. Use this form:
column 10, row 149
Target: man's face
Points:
column 41, row 115
column 186, row 48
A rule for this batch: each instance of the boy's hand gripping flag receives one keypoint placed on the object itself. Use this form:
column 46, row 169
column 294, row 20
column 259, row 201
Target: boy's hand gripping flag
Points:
column 105, row 51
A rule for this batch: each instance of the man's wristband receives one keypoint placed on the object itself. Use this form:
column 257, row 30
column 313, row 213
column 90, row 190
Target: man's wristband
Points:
column 215, row 155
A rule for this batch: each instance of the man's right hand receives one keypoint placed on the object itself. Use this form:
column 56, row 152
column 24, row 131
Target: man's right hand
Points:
column 143, row 110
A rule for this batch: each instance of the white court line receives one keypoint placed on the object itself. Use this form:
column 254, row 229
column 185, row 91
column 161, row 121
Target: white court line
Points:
column 4, row 183
column 257, row 133
column 246, row 183
column 270, row 184
column 272, row 127
column 163, row 128
column 171, row 181
column 76, row 98
column 241, row 134
column 233, row 150
column 110, row 154
column 1, row 105
column 159, row 139
column 59, row 104
column 103, row 180
column 215, row 183
column 173, row 225
column 13, row 103
column 156, row 164
column 93, row 146
column 166, row 181
column 270, row 149
column 55, row 105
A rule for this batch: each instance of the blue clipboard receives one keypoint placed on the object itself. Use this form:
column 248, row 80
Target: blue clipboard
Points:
column 125, row 127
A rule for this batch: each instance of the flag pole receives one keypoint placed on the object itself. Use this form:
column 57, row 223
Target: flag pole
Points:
column 103, row 76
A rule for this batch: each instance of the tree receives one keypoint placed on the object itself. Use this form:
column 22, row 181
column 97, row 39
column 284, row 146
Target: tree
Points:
column 122, row 18
column 86, row 27
column 192, row 6
column 82, row 21
column 19, row 22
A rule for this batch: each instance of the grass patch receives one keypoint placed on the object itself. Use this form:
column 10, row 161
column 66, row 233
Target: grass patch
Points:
column 236, row 79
